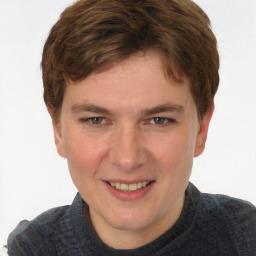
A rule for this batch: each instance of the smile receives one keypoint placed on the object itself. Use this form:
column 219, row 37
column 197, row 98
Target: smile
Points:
column 129, row 187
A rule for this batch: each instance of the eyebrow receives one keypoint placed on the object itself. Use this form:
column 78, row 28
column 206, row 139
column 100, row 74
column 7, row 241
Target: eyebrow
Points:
column 163, row 108
column 77, row 108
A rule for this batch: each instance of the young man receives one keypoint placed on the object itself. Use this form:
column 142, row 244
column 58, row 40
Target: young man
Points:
column 130, row 87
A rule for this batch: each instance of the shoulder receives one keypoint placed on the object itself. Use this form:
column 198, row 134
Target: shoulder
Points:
column 38, row 235
column 234, row 218
column 233, row 208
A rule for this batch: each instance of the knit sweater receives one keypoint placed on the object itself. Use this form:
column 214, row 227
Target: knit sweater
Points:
column 209, row 225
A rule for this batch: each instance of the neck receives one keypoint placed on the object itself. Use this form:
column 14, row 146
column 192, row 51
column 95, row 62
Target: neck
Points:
column 132, row 239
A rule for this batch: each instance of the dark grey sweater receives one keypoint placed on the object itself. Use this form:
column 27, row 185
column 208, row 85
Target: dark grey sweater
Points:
column 209, row 225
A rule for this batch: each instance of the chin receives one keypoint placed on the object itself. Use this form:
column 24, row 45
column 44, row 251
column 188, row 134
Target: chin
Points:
column 132, row 221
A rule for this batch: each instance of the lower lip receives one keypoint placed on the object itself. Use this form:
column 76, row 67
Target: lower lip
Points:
column 129, row 195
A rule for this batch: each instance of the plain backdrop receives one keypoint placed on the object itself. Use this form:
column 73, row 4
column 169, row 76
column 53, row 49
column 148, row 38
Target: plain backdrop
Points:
column 33, row 178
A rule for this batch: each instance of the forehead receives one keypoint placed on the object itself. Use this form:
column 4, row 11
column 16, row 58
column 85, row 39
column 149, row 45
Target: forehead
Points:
column 139, row 80
column 149, row 61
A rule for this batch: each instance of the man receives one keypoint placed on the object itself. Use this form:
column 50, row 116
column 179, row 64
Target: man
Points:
column 130, row 87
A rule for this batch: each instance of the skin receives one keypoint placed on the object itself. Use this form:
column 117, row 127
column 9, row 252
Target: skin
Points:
column 131, row 123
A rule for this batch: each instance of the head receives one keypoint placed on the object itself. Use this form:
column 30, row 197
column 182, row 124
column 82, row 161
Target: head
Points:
column 130, row 86
column 91, row 36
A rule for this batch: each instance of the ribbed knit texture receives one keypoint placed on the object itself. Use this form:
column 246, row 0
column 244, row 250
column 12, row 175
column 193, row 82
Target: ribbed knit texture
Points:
column 210, row 225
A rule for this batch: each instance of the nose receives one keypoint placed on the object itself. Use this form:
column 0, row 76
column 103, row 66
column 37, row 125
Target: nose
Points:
column 128, row 151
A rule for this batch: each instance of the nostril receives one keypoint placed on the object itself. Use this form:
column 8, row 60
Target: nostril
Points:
column 126, row 152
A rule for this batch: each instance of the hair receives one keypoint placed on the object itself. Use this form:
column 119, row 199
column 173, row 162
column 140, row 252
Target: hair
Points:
column 93, row 35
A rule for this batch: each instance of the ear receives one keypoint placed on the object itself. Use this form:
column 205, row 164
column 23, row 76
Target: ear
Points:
column 202, row 132
column 58, row 138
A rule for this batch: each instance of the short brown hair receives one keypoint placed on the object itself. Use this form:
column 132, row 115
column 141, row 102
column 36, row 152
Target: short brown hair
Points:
column 92, row 35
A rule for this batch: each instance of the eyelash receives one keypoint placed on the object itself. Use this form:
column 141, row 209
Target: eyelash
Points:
column 90, row 120
column 163, row 121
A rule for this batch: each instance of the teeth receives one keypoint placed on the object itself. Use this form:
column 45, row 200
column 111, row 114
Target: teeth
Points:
column 117, row 185
column 130, row 187
column 124, row 187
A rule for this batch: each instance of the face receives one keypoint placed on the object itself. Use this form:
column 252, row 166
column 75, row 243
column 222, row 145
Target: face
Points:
column 129, row 135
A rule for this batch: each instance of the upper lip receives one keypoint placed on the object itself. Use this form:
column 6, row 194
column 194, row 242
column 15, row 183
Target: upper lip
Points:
column 128, row 181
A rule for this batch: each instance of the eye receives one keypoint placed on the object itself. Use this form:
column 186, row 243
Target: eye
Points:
column 159, row 120
column 96, row 120
column 162, row 120
column 93, row 120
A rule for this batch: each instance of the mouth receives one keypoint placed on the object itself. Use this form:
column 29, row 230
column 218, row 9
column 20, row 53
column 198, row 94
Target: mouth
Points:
column 130, row 187
column 129, row 190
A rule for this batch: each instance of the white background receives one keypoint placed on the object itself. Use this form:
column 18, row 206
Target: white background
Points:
column 33, row 178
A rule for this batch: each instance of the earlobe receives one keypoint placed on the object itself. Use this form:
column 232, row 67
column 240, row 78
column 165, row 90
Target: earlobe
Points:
column 202, row 132
column 57, row 134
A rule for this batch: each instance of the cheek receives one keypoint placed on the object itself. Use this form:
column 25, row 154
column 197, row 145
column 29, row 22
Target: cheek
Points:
column 173, row 149
column 83, row 152
column 174, row 155
column 83, row 156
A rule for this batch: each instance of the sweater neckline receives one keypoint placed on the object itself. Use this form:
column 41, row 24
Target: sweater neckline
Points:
column 89, row 240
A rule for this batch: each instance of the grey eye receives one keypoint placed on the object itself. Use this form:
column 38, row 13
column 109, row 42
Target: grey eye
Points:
column 160, row 120
column 97, row 120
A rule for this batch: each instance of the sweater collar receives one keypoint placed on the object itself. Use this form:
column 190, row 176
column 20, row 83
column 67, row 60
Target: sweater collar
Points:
column 91, row 243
